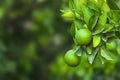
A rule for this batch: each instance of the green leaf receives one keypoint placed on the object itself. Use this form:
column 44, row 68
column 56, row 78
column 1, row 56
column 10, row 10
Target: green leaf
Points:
column 104, row 38
column 108, row 35
column 71, row 6
column 98, row 29
column 115, row 16
column 118, row 46
column 114, row 4
column 76, row 3
column 100, row 3
column 76, row 48
column 105, row 54
column 105, row 7
column 93, row 6
column 117, row 3
column 80, row 51
column 101, row 59
column 93, row 21
column 102, row 19
column 89, row 49
column 96, row 40
column 78, row 15
column 88, row 13
column 78, row 24
column 82, row 2
column 118, row 49
column 92, row 57
column 108, row 27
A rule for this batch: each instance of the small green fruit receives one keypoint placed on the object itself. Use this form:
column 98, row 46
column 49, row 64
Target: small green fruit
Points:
column 71, row 58
column 83, row 36
column 111, row 46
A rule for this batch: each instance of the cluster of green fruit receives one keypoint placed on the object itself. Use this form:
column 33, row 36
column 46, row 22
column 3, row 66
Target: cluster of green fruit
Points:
column 95, row 30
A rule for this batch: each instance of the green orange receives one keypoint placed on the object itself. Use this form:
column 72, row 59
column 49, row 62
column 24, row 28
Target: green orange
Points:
column 111, row 45
column 83, row 36
column 71, row 58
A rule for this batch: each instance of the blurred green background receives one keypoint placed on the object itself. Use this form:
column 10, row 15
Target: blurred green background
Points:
column 34, row 39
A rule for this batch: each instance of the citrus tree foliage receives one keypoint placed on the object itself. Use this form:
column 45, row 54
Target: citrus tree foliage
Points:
column 95, row 29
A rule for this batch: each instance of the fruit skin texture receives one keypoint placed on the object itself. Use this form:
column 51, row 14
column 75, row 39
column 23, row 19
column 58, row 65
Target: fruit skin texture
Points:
column 83, row 36
column 71, row 58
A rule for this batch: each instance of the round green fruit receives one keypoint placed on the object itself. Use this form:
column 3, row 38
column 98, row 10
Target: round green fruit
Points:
column 83, row 36
column 71, row 58
column 111, row 45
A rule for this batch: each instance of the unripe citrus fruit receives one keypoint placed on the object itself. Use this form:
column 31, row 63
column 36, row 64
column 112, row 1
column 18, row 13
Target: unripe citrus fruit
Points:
column 111, row 45
column 83, row 36
column 71, row 58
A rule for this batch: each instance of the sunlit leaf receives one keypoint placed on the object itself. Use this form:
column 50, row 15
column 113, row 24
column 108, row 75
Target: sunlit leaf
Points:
column 105, row 54
column 68, row 14
column 102, row 19
column 82, row 2
column 100, row 3
column 105, row 7
column 96, row 40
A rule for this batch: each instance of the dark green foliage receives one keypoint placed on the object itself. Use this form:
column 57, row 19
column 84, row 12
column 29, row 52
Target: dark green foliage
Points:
column 31, row 35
